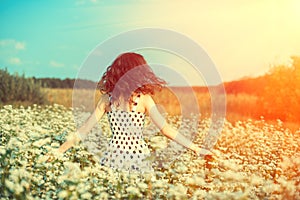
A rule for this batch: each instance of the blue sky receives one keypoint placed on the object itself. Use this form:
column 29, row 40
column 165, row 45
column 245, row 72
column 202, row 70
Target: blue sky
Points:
column 53, row 38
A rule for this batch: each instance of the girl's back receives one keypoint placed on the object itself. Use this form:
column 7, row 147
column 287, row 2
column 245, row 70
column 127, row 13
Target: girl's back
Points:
column 127, row 149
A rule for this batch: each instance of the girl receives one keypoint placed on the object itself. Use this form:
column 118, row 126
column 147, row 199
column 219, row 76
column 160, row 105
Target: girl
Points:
column 127, row 86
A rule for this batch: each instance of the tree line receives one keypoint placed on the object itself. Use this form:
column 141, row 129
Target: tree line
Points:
column 16, row 88
column 65, row 83
column 277, row 92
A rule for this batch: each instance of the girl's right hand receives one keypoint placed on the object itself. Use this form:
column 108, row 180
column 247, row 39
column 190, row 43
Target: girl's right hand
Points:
column 55, row 154
column 51, row 157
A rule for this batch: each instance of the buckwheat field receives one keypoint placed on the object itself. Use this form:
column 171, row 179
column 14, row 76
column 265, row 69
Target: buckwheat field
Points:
column 252, row 160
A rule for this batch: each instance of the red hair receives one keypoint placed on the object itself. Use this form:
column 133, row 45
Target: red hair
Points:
column 129, row 73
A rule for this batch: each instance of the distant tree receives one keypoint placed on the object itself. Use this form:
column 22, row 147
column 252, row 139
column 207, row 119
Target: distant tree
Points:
column 65, row 83
column 18, row 88
column 281, row 96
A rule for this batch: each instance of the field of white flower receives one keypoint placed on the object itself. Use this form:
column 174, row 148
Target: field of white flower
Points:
column 253, row 160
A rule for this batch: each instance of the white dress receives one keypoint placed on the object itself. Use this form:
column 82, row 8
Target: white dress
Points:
column 127, row 150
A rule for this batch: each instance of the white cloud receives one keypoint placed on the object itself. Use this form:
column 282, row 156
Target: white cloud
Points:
column 76, row 67
column 56, row 64
column 15, row 61
column 14, row 44
column 83, row 2
column 20, row 45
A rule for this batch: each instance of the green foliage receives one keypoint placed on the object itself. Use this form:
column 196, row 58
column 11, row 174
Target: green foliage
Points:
column 15, row 88
column 66, row 83
column 281, row 95
column 276, row 95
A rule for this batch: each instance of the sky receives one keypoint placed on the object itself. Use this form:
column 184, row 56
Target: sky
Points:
column 55, row 38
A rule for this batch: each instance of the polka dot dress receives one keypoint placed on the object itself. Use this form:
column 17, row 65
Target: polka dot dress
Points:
column 127, row 149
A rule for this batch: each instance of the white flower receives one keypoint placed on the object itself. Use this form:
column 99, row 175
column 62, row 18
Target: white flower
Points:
column 55, row 144
column 18, row 188
column 142, row 186
column 13, row 143
column 41, row 142
column 256, row 180
column 133, row 190
column 86, row 195
column 10, row 185
column 159, row 184
column 63, row 194
column 42, row 159
column 104, row 196
column 2, row 150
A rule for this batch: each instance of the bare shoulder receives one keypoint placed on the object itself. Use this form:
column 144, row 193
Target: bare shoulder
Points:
column 103, row 101
column 147, row 101
column 145, row 98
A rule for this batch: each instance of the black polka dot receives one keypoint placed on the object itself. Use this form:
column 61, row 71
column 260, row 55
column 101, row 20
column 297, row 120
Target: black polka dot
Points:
column 125, row 140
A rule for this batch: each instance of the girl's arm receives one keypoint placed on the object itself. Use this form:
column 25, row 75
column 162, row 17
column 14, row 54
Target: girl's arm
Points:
column 88, row 124
column 167, row 130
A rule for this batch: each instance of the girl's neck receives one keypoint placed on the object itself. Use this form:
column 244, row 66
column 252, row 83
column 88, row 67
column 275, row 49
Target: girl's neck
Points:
column 124, row 104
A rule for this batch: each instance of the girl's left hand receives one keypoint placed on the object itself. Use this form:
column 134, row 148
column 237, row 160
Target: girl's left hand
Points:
column 202, row 152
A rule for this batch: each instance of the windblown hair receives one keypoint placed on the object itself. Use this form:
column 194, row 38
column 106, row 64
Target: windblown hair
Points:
column 129, row 73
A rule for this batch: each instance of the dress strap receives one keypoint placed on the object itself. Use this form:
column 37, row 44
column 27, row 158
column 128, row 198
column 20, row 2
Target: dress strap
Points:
column 112, row 107
column 135, row 102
